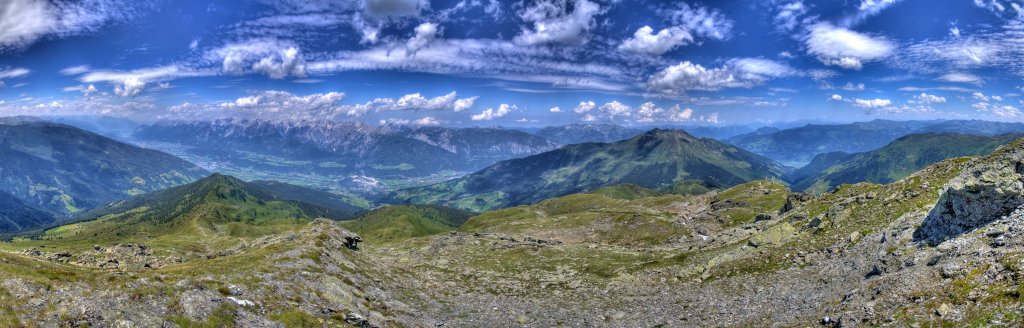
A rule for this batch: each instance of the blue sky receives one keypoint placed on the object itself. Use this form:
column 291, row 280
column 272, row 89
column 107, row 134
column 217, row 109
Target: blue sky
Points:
column 486, row 62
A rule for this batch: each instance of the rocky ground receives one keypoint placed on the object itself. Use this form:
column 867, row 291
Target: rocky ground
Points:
column 944, row 247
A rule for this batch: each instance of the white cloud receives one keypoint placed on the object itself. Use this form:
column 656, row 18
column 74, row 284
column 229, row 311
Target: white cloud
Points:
column 558, row 21
column 382, row 8
column 700, row 21
column 11, row 73
column 425, row 34
column 464, row 103
column 736, row 73
column 980, row 96
column 23, row 22
column 132, row 83
column 413, row 102
column 555, row 109
column 286, row 62
column 275, row 58
column 279, row 101
column 615, row 108
column 648, row 112
column 853, row 87
column 871, row 103
column 645, row 42
column 584, row 107
column 427, row 120
column 75, row 70
column 489, row 58
column 836, row 98
column 925, row 98
column 493, row 113
column 845, row 48
column 960, row 78
column 789, row 16
column 867, row 8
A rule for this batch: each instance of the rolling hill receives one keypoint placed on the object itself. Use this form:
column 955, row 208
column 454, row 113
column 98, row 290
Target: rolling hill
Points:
column 66, row 169
column 199, row 213
column 655, row 159
column 896, row 160
column 405, row 221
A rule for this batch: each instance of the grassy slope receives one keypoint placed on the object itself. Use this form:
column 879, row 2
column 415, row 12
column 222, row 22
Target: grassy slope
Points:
column 215, row 212
column 398, row 222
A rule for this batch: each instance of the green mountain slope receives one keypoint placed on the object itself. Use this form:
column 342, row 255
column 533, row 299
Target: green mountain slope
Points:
column 66, row 169
column 656, row 159
column 404, row 221
column 899, row 159
column 207, row 212
column 16, row 215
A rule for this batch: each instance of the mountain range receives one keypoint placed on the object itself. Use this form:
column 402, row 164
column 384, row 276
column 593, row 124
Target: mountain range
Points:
column 902, row 157
column 655, row 159
column 351, row 155
column 798, row 146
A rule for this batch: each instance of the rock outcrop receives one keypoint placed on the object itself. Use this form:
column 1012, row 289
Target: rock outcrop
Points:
column 989, row 188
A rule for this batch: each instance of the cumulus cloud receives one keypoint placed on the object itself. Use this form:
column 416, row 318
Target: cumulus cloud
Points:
column 925, row 98
column 558, row 21
column 871, row 103
column 286, row 62
column 493, row 113
column 615, row 108
column 413, row 102
column 129, row 87
column 584, row 107
column 275, row 58
column 736, row 73
column 998, row 110
column 842, row 47
column 836, row 98
column 555, row 109
column 425, row 34
column 648, row 112
column 644, row 41
column 277, row 101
